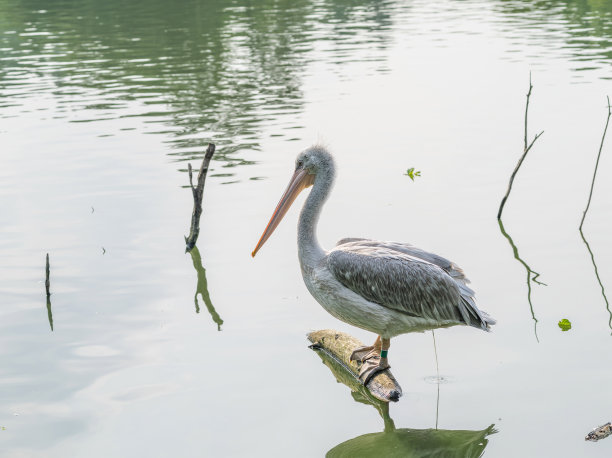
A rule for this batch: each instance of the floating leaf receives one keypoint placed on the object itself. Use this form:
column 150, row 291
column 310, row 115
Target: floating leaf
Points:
column 565, row 324
column 412, row 173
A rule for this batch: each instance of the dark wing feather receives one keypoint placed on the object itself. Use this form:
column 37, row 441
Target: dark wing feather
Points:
column 449, row 267
column 395, row 279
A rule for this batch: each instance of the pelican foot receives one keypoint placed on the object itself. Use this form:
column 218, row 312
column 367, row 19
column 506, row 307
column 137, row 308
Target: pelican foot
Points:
column 361, row 353
column 371, row 367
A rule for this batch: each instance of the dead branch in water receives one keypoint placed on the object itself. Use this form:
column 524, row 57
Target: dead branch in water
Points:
column 198, row 194
column 47, row 286
column 526, row 149
column 603, row 137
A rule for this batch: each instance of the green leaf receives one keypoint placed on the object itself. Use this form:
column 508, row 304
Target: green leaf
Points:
column 565, row 324
column 411, row 173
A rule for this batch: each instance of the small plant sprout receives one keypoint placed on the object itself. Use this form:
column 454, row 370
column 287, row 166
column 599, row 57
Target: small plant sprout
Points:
column 412, row 173
column 565, row 324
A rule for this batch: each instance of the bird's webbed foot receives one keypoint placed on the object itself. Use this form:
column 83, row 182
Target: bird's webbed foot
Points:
column 372, row 366
column 362, row 353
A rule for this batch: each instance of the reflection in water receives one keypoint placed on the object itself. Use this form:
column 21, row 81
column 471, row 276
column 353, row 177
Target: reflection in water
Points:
column 532, row 276
column 202, row 288
column 402, row 442
column 197, row 71
column 603, row 137
column 359, row 392
column 47, row 286
column 603, row 291
column 577, row 31
column 49, row 312
column 422, row 443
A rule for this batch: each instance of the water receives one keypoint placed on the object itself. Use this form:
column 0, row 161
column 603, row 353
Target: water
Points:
column 155, row 352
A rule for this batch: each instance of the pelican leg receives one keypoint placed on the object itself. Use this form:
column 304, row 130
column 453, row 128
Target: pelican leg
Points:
column 375, row 362
column 362, row 353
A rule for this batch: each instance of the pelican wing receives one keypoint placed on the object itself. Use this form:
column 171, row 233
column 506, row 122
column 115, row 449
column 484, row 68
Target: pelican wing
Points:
column 386, row 274
column 449, row 267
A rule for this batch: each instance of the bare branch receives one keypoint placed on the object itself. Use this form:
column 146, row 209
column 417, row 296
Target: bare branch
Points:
column 190, row 175
column 603, row 137
column 526, row 149
column 47, row 272
column 198, row 194
column 526, row 111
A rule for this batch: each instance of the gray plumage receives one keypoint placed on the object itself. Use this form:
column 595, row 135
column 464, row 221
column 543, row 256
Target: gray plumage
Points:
column 407, row 279
column 389, row 288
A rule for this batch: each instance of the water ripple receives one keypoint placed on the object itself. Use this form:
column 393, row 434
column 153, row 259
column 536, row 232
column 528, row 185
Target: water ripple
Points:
column 224, row 71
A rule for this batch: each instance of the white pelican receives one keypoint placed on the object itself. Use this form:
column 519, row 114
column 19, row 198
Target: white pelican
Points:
column 388, row 288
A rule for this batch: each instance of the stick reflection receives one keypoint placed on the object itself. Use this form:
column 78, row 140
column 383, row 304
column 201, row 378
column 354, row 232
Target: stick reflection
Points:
column 202, row 288
column 532, row 276
column 603, row 290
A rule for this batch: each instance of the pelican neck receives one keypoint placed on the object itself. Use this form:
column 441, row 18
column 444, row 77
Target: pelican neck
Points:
column 309, row 250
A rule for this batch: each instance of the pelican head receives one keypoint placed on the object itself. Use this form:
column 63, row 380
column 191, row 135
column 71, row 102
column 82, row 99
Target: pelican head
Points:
column 315, row 159
column 311, row 163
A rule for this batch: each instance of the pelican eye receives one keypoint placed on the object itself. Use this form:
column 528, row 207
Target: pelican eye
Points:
column 300, row 164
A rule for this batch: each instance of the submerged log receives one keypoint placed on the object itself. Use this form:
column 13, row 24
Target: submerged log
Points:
column 198, row 194
column 339, row 346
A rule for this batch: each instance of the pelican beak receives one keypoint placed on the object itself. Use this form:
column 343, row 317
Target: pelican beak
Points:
column 300, row 180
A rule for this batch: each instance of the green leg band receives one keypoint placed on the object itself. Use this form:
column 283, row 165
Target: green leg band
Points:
column 383, row 353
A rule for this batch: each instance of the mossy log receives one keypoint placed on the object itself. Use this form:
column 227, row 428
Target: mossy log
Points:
column 340, row 345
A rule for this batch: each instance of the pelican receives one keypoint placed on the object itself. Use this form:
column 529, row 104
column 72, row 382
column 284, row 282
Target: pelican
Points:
column 389, row 288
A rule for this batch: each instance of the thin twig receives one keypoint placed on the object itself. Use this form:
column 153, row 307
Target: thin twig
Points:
column 526, row 149
column 438, row 381
column 603, row 137
column 47, row 286
column 527, row 111
column 190, row 175
column 198, row 194
column 436, row 354
column 47, row 272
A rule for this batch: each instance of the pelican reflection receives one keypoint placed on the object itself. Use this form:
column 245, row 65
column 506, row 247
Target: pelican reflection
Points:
column 401, row 442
